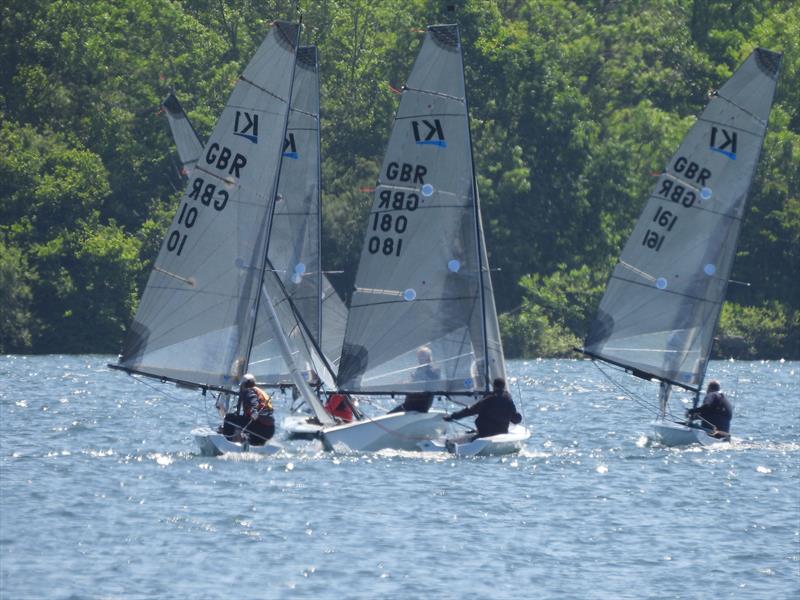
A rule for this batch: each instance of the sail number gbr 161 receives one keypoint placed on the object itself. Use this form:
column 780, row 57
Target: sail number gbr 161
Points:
column 387, row 226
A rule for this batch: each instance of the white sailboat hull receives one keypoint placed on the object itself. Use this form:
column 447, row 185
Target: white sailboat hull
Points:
column 301, row 427
column 495, row 445
column 212, row 443
column 395, row 431
column 674, row 434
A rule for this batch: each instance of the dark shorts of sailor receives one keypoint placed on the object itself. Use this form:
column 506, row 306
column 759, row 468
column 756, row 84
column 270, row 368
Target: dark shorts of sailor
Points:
column 259, row 431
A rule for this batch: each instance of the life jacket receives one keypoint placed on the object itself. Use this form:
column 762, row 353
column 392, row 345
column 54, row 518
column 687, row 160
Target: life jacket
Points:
column 264, row 404
column 264, row 401
column 338, row 406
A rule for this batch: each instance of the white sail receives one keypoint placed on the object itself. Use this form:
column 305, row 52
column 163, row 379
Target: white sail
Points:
column 423, row 280
column 196, row 316
column 662, row 303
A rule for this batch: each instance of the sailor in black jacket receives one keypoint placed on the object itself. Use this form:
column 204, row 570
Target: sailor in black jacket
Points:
column 715, row 413
column 495, row 411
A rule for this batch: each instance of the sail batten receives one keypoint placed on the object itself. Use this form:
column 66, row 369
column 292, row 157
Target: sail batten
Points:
column 663, row 299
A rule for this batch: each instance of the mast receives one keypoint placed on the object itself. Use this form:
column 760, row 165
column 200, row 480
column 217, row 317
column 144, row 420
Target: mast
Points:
column 478, row 227
column 318, row 336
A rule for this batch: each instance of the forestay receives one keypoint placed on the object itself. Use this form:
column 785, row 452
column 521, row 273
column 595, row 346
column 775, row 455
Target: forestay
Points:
column 660, row 310
column 186, row 139
column 195, row 319
column 423, row 278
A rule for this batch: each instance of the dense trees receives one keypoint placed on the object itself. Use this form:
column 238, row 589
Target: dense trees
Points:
column 574, row 105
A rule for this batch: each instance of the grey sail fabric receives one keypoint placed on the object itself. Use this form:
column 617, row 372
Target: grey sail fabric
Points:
column 661, row 306
column 294, row 245
column 334, row 319
column 196, row 316
column 305, row 352
column 186, row 139
column 422, row 277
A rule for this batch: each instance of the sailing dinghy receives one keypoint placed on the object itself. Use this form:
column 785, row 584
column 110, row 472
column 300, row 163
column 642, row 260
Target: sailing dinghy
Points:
column 421, row 318
column 494, row 445
column 205, row 313
column 662, row 303
column 295, row 241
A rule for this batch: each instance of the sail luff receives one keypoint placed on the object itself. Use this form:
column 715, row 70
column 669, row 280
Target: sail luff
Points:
column 751, row 177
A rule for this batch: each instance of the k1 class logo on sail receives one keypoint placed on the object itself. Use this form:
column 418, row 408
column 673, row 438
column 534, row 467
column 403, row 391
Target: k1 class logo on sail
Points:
column 246, row 125
column 723, row 141
column 429, row 133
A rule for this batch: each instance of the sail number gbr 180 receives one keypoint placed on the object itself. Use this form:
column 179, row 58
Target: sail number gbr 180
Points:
column 386, row 225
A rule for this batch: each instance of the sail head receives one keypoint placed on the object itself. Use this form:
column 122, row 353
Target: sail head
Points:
column 186, row 139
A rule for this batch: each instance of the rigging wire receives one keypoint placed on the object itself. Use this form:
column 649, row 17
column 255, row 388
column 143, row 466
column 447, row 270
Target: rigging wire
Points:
column 646, row 404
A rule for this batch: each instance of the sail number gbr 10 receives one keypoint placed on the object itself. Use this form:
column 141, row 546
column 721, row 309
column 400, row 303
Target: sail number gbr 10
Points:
column 388, row 223
column 207, row 193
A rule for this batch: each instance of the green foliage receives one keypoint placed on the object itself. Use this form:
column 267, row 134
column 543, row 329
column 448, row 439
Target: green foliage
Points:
column 574, row 104
column 771, row 331
column 555, row 313
column 15, row 299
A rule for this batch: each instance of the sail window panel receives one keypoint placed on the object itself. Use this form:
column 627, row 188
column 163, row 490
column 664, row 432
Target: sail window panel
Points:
column 453, row 365
column 215, row 244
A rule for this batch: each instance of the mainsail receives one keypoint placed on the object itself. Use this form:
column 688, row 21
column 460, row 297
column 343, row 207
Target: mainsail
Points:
column 294, row 244
column 663, row 300
column 423, row 288
column 196, row 318
column 190, row 148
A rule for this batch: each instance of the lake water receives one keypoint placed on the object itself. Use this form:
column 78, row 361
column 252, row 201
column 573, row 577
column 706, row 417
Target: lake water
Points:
column 103, row 495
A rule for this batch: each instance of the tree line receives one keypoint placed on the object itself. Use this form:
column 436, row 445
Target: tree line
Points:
column 575, row 105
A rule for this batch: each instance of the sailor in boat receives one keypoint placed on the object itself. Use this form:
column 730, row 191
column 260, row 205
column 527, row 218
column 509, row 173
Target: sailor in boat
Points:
column 496, row 411
column 338, row 406
column 714, row 414
column 253, row 416
column 420, row 401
